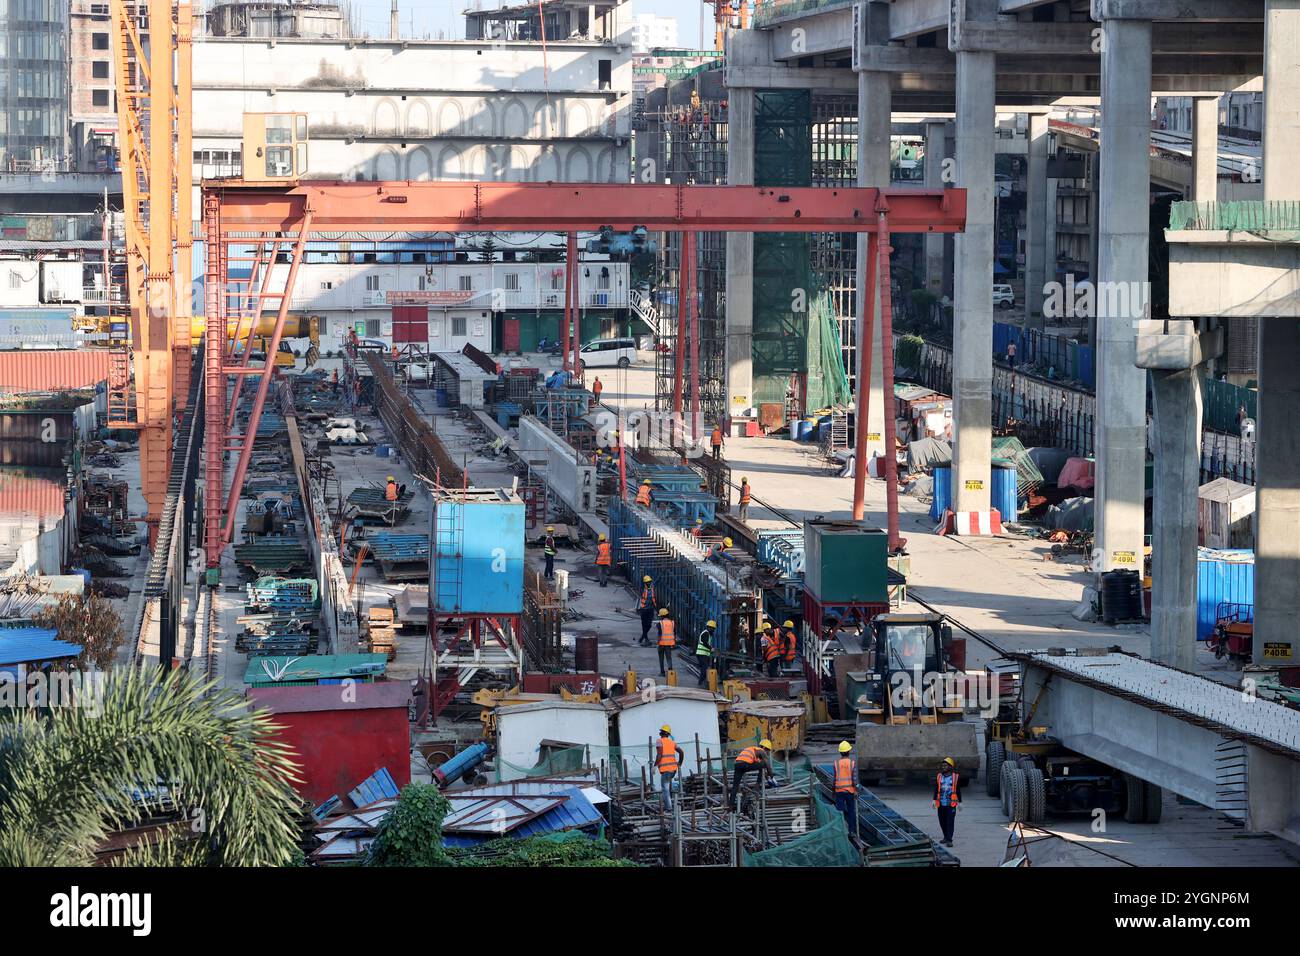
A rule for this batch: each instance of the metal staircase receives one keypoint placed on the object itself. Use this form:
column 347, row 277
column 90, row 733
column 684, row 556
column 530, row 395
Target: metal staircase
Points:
column 644, row 309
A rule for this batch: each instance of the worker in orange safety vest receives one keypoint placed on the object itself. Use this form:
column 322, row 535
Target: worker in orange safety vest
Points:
column 390, row 492
column 667, row 641
column 750, row 759
column 770, row 644
column 668, row 760
column 715, row 440
column 744, row 499
column 846, row 786
column 789, row 642
column 947, row 797
column 596, row 389
column 604, row 561
column 643, row 495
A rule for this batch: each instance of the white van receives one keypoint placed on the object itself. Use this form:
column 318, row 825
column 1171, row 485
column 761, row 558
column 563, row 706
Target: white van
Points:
column 606, row 353
column 1003, row 296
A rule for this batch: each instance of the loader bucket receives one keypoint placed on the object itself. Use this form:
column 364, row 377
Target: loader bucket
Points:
column 910, row 748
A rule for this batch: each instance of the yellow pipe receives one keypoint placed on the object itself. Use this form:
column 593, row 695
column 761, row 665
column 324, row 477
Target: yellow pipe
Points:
column 295, row 327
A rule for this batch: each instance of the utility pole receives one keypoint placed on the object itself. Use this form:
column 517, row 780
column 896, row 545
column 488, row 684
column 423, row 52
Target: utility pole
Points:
column 393, row 31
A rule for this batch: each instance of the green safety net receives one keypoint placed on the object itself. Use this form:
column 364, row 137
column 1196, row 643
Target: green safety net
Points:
column 1222, row 402
column 828, row 384
column 1028, row 477
column 556, row 761
column 828, row 844
column 1241, row 215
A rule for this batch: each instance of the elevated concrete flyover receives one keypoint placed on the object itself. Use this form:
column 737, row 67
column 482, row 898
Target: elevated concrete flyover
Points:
column 1217, row 745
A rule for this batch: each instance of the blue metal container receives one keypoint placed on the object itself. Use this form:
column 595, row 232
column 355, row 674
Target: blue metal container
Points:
column 479, row 546
column 1003, row 487
column 942, row 499
column 1222, row 577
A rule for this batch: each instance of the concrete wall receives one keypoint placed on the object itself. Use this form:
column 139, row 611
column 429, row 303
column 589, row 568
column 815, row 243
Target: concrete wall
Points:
column 521, row 729
column 1213, row 272
column 427, row 110
column 639, row 726
column 573, row 483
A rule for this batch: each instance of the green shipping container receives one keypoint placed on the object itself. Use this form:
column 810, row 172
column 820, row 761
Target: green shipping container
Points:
column 845, row 563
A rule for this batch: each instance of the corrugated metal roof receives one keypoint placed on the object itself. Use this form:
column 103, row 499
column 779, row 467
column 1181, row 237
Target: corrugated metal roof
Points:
column 24, row 645
column 52, row 370
column 315, row 698
column 30, row 496
column 273, row 670
column 576, row 812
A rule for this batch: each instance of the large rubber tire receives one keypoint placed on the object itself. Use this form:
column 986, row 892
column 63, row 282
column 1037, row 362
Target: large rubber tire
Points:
column 994, row 756
column 1135, row 799
column 624, row 362
column 1024, row 762
column 1037, row 795
column 1155, row 803
column 1004, row 787
column 1019, row 796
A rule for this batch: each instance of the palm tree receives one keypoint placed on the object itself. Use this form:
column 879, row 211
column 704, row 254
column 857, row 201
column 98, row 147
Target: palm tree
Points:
column 150, row 744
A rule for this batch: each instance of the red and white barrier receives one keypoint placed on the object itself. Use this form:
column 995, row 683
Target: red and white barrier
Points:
column 970, row 523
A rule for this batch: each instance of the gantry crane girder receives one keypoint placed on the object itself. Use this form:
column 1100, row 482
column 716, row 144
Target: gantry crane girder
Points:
column 252, row 221
column 152, row 60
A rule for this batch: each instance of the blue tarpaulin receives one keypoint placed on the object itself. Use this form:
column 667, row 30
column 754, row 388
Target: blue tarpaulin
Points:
column 25, row 645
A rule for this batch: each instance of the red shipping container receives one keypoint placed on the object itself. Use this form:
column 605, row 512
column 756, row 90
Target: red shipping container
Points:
column 32, row 370
column 341, row 739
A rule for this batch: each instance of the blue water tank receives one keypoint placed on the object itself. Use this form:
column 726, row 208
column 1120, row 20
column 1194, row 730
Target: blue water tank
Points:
column 1222, row 577
column 1003, row 485
column 942, row 499
column 479, row 552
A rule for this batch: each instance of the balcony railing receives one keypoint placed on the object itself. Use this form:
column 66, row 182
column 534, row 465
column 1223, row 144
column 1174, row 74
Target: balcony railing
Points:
column 1237, row 216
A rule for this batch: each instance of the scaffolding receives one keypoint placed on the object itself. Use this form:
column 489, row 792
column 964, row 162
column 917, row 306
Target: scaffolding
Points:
column 692, row 146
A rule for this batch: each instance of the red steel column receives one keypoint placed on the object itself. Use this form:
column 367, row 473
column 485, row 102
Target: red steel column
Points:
column 887, row 372
column 576, row 298
column 688, row 253
column 867, row 308
column 264, row 381
column 679, row 341
column 252, row 302
column 214, row 385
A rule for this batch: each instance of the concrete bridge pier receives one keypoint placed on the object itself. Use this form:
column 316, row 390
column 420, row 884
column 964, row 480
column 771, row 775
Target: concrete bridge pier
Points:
column 936, row 151
column 972, row 348
column 740, row 257
column 1277, row 507
column 1037, row 252
column 1122, row 297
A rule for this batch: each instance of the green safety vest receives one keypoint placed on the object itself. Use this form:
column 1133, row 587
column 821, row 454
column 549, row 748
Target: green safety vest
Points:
column 549, row 545
column 703, row 644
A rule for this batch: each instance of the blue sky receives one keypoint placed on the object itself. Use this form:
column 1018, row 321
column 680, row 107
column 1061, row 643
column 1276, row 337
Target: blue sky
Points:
column 431, row 16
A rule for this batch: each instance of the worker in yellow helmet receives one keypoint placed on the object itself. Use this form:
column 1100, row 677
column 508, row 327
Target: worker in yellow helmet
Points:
column 789, row 643
column 548, row 549
column 604, row 561
column 390, row 491
column 751, row 758
column 646, row 608
column 669, row 757
column 667, row 634
column 745, row 495
column 769, row 643
column 704, row 651
column 947, row 797
column 845, row 785
column 643, row 496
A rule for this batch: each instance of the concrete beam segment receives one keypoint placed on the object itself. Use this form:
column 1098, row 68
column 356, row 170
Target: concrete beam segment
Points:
column 936, row 151
column 1205, row 148
column 1122, row 292
column 1277, row 521
column 973, row 285
column 1036, row 270
column 790, row 78
column 1176, row 345
column 874, row 105
column 1232, row 275
column 1218, row 11
column 1203, row 71
column 1018, row 36
column 740, row 257
column 1177, row 438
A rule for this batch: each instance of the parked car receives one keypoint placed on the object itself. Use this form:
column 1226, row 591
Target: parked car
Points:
column 1003, row 297
column 604, row 353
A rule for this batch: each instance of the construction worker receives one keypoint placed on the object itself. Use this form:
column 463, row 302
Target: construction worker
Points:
column 846, row 786
column 390, row 492
column 596, row 389
column 646, row 608
column 718, row 551
column 751, row 758
column 548, row 549
column 947, row 797
column 667, row 632
column 770, row 644
column 715, row 440
column 744, row 499
column 604, row 561
column 334, row 382
column 669, row 757
column 698, row 530
column 790, row 643
column 704, row 651
column 643, row 495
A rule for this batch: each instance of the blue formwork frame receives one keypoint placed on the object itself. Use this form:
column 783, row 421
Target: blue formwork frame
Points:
column 692, row 596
